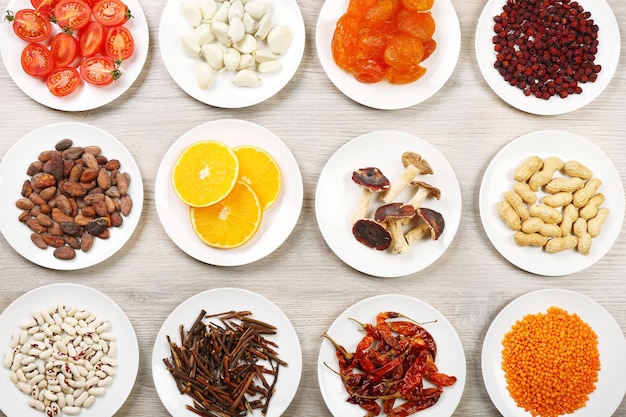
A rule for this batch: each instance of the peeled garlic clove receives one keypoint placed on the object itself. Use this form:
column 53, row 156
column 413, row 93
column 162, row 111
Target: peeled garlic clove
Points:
column 247, row 45
column 235, row 11
column 190, row 46
column 208, row 9
column 249, row 23
column 268, row 66
column 214, row 55
column 247, row 61
column 263, row 55
column 264, row 27
column 257, row 9
column 203, row 34
column 221, row 15
column 192, row 13
column 236, row 30
column 205, row 75
column 220, row 30
column 279, row 38
column 231, row 59
column 246, row 78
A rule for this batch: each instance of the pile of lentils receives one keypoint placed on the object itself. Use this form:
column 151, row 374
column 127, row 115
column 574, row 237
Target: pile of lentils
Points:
column 546, row 47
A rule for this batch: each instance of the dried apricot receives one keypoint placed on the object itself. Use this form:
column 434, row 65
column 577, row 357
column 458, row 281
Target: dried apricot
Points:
column 344, row 43
column 378, row 14
column 358, row 7
column 404, row 51
column 418, row 5
column 373, row 42
column 397, row 76
column 420, row 25
column 429, row 47
column 368, row 70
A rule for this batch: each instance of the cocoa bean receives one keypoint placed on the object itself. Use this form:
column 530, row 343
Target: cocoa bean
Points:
column 63, row 204
column 36, row 199
column 72, row 153
column 86, row 242
column 48, row 193
column 92, row 150
column 45, row 208
column 105, row 234
column 104, row 181
column 96, row 226
column 88, row 175
column 43, row 180
column 34, row 168
column 34, row 225
column 122, row 183
column 27, row 188
column 52, row 240
column 44, row 220
column 73, row 189
column 45, row 156
column 101, row 208
column 24, row 203
column 38, row 241
column 74, row 206
column 92, row 185
column 113, row 192
column 116, row 219
column 76, row 172
column 64, row 253
column 102, row 160
column 24, row 216
column 36, row 211
column 55, row 229
column 72, row 241
column 82, row 220
column 58, row 216
column 67, row 168
column 90, row 161
column 56, row 167
column 110, row 203
column 126, row 204
column 92, row 198
column 113, row 164
column 70, row 228
column 88, row 211
column 63, row 144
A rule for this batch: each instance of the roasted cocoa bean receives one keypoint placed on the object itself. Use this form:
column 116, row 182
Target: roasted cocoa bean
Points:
column 52, row 240
column 82, row 220
column 76, row 172
column 67, row 168
column 70, row 228
column 58, row 216
column 110, row 203
column 44, row 220
column 63, row 144
column 73, row 189
column 48, row 193
column 56, row 167
column 63, row 204
column 24, row 216
column 88, row 211
column 89, row 199
column 126, row 204
column 116, row 219
column 45, row 208
column 102, row 160
column 113, row 192
column 36, row 199
column 27, row 188
column 72, row 241
column 88, row 175
column 34, row 225
column 43, row 180
column 73, row 153
column 101, row 208
column 38, row 241
column 45, row 156
column 34, row 168
column 112, row 164
column 122, row 183
column 24, row 203
column 55, row 229
column 64, row 253
column 92, row 150
column 105, row 234
column 104, row 180
column 96, row 226
column 90, row 161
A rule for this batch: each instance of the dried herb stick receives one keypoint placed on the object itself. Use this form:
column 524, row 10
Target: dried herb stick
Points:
column 228, row 368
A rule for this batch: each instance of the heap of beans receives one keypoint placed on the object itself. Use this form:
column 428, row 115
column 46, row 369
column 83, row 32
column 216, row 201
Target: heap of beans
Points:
column 546, row 47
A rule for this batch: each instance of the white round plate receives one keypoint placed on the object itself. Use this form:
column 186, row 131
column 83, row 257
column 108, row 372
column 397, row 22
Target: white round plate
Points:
column 219, row 300
column 222, row 93
column 610, row 387
column 14, row 403
column 13, row 174
column 87, row 96
column 498, row 179
column 336, row 198
column 384, row 95
column 607, row 56
column 278, row 221
column 450, row 355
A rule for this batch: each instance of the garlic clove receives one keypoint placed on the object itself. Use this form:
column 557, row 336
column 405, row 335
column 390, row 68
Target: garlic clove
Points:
column 264, row 27
column 235, row 10
column 190, row 46
column 246, row 62
column 192, row 13
column 249, row 23
column 221, row 15
column 220, row 30
column 246, row 78
column 269, row 66
column 214, row 55
column 279, row 38
column 205, row 75
column 263, row 55
column 231, row 59
column 247, row 45
column 208, row 9
column 236, row 30
column 203, row 34
column 257, row 9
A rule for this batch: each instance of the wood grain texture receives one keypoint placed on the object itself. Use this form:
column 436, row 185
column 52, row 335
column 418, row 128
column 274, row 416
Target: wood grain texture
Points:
column 469, row 284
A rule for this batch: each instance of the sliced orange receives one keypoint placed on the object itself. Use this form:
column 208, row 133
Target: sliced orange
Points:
column 259, row 170
column 204, row 173
column 231, row 222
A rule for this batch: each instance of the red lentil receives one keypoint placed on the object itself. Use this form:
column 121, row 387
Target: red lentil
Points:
column 551, row 362
column 546, row 47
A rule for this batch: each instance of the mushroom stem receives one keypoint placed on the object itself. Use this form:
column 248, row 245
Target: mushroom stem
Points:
column 401, row 183
column 416, row 233
column 398, row 242
column 419, row 197
column 360, row 211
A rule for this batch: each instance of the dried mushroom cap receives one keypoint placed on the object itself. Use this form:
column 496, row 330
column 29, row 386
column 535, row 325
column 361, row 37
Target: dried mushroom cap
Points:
column 371, row 178
column 434, row 191
column 433, row 219
column 393, row 212
column 371, row 234
column 410, row 158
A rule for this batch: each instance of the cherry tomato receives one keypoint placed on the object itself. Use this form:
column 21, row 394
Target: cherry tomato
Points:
column 64, row 48
column 63, row 81
column 91, row 38
column 45, row 7
column 111, row 12
column 99, row 70
column 30, row 25
column 37, row 60
column 73, row 14
column 119, row 44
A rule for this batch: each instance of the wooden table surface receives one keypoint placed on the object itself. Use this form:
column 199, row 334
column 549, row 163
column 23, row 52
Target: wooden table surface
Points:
column 469, row 284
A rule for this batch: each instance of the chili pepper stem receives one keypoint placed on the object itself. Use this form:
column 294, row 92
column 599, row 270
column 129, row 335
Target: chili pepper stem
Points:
column 337, row 346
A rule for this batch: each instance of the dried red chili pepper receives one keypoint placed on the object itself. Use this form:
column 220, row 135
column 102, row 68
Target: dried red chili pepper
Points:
column 428, row 398
column 410, row 329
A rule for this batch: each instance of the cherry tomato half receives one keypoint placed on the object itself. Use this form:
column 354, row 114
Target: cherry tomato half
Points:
column 64, row 48
column 91, row 38
column 37, row 60
column 30, row 25
column 111, row 12
column 99, row 70
column 119, row 44
column 45, row 7
column 74, row 14
column 63, row 81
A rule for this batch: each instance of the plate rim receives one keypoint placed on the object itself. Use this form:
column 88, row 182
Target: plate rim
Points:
column 452, row 220
column 533, row 105
column 392, row 300
column 105, row 139
column 235, row 256
column 361, row 93
column 108, row 304
column 519, row 306
column 224, row 292
column 259, row 94
column 87, row 101
column 488, row 218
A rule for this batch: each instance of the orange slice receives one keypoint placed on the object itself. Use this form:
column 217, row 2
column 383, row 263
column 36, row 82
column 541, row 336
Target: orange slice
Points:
column 204, row 173
column 231, row 222
column 259, row 170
